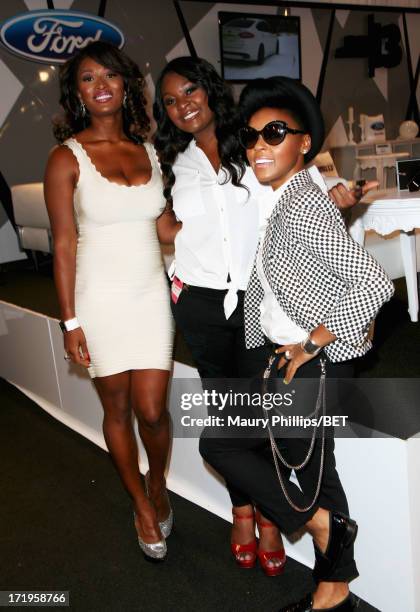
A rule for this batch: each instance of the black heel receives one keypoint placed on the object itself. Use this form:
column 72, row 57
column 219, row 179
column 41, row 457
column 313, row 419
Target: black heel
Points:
column 349, row 604
column 343, row 532
column 352, row 530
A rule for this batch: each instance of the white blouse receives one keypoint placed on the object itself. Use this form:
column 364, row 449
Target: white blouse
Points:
column 217, row 243
column 275, row 323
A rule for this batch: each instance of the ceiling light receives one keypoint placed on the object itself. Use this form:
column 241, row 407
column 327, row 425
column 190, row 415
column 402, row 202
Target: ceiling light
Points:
column 44, row 75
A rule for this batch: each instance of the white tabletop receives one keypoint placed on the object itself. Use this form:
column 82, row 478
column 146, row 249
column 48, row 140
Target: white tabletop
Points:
column 387, row 210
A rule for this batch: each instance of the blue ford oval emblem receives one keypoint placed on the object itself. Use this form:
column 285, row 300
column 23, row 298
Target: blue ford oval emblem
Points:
column 54, row 36
column 378, row 125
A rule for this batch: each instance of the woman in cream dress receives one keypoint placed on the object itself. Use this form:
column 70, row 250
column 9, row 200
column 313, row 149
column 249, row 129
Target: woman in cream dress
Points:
column 103, row 191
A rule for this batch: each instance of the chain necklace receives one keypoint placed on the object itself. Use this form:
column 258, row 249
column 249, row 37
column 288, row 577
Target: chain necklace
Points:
column 320, row 405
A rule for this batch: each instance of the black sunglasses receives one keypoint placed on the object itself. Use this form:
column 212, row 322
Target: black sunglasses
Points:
column 273, row 134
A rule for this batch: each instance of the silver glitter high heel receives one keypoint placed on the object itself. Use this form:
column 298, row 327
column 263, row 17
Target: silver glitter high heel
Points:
column 155, row 551
column 168, row 523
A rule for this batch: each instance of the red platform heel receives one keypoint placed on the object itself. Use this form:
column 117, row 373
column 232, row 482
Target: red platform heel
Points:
column 238, row 549
column 265, row 556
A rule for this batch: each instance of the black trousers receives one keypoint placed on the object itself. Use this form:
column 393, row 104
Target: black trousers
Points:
column 246, row 466
column 218, row 346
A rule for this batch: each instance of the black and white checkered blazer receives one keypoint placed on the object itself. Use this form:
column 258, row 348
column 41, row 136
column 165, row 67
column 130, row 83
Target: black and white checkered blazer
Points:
column 317, row 272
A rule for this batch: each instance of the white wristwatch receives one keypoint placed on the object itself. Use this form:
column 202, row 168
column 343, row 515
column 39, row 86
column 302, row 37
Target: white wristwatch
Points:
column 69, row 325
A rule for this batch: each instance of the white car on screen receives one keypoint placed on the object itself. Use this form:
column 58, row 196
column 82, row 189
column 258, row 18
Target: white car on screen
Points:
column 249, row 39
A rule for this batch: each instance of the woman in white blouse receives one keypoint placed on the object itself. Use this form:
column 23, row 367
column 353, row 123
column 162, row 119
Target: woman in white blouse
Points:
column 215, row 196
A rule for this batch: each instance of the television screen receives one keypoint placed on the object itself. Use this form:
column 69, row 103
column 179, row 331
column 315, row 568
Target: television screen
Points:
column 256, row 45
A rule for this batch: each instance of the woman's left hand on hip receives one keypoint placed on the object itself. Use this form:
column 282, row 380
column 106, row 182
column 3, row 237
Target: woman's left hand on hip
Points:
column 293, row 356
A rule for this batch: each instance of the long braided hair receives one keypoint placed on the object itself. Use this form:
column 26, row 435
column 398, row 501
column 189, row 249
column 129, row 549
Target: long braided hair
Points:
column 170, row 140
column 136, row 123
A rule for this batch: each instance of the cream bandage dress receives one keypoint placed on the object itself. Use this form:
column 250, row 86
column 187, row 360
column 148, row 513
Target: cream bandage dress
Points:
column 121, row 291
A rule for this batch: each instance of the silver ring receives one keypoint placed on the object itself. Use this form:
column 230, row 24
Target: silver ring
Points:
column 67, row 357
column 288, row 355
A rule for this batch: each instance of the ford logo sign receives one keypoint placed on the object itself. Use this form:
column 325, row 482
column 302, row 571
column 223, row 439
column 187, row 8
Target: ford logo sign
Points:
column 54, row 36
column 378, row 125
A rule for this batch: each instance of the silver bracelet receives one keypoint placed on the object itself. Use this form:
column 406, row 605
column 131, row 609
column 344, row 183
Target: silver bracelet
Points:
column 310, row 347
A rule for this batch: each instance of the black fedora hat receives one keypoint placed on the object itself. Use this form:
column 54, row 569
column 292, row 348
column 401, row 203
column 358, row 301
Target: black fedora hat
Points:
column 282, row 92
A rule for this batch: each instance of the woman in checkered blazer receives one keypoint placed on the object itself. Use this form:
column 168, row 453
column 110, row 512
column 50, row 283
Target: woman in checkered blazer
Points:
column 313, row 292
